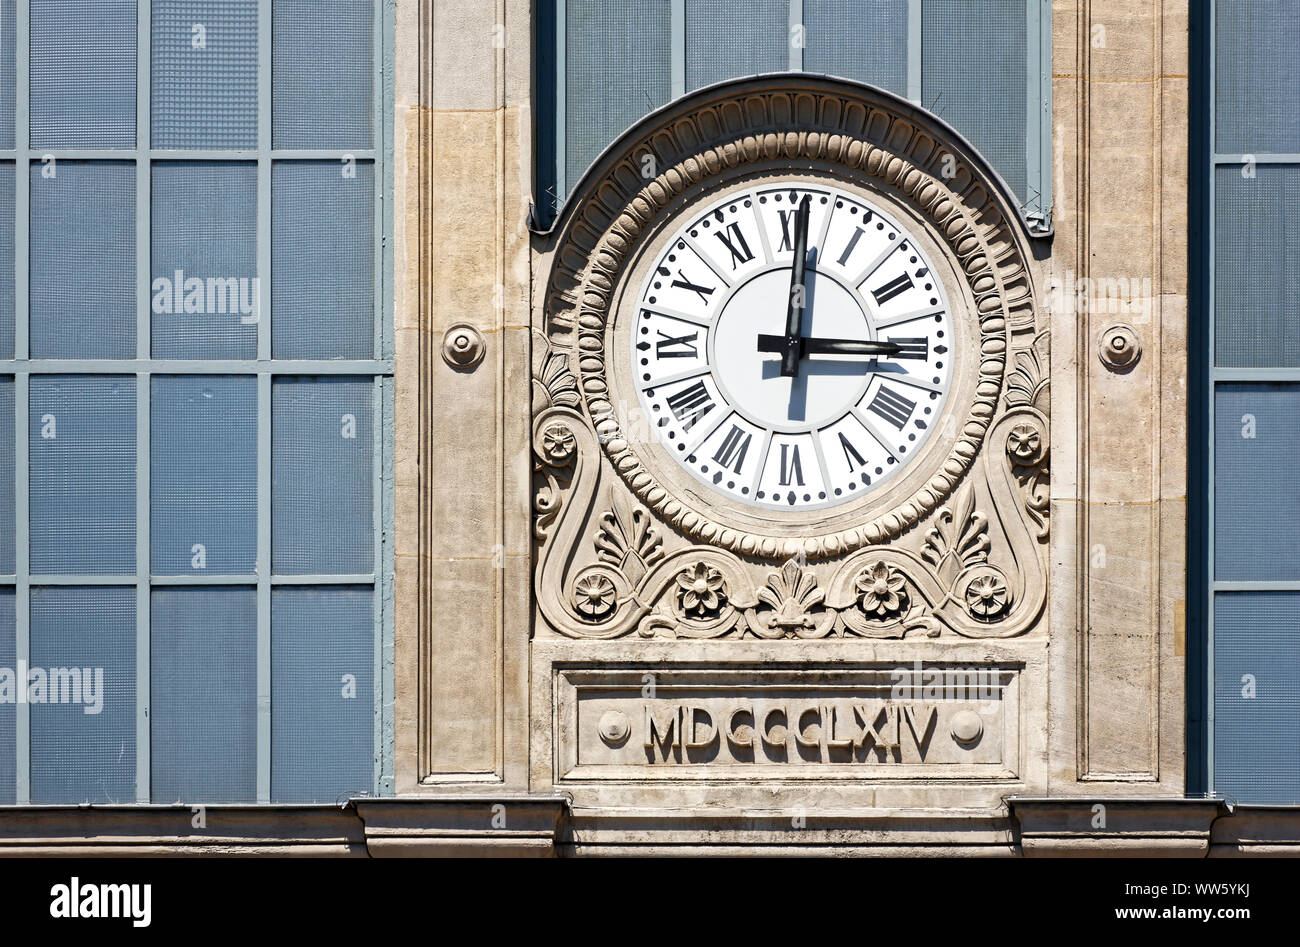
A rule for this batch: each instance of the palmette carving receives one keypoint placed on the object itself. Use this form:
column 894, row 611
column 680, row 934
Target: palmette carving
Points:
column 1027, row 445
column 791, row 606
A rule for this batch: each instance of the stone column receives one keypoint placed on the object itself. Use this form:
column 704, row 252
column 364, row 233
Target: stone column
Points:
column 463, row 144
column 1119, row 385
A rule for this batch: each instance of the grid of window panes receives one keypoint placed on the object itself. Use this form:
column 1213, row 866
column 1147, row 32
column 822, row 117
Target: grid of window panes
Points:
column 983, row 66
column 1254, row 431
column 192, row 397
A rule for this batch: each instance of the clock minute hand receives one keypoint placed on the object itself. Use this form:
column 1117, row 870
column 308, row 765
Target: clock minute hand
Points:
column 777, row 343
column 791, row 352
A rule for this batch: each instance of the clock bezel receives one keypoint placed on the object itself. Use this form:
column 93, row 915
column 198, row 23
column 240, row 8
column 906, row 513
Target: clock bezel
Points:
column 811, row 519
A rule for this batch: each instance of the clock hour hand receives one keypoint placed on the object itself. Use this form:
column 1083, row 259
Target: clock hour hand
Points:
column 791, row 351
column 777, row 343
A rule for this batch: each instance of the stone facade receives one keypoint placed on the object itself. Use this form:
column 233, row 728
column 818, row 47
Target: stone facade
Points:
column 1086, row 350
column 526, row 727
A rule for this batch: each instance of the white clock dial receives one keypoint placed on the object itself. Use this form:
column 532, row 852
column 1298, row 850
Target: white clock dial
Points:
column 843, row 423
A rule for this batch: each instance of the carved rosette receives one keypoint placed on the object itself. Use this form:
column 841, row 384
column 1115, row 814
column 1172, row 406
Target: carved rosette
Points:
column 618, row 554
column 1027, row 444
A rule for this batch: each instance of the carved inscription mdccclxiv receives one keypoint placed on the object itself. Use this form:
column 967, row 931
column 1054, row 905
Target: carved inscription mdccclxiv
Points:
column 958, row 722
column 778, row 731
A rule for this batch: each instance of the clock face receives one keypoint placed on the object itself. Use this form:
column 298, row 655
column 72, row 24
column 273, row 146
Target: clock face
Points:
column 771, row 386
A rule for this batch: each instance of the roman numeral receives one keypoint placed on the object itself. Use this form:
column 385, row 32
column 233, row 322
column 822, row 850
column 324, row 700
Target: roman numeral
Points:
column 913, row 348
column 691, row 404
column 853, row 242
column 787, row 218
column 731, row 453
column 892, row 406
column 899, row 284
column 665, row 347
column 851, row 455
column 791, row 468
column 734, row 241
column 682, row 282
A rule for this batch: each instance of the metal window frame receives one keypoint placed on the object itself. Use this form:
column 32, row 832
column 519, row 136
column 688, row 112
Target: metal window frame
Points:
column 264, row 368
column 1036, row 205
column 1203, row 581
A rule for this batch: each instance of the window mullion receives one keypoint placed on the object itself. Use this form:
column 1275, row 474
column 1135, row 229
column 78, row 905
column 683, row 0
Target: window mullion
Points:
column 22, row 520
column 914, row 51
column 143, row 392
column 795, row 38
column 264, row 403
column 677, row 45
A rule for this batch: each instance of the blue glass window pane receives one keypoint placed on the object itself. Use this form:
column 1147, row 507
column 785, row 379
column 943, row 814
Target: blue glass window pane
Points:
column 1256, row 737
column 8, row 709
column 83, row 728
column 204, row 287
column 985, row 102
column 322, row 698
column 203, row 476
column 204, row 695
column 864, row 40
column 6, row 259
column 83, row 298
column 604, row 97
column 1257, row 77
column 8, row 84
column 83, row 73
column 1256, row 493
column 323, row 259
column 722, row 44
column 81, row 438
column 322, row 476
column 323, row 73
column 8, row 523
column 1256, row 266
column 204, row 73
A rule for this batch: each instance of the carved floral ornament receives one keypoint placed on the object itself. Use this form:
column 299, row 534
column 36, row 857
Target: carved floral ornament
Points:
column 621, row 552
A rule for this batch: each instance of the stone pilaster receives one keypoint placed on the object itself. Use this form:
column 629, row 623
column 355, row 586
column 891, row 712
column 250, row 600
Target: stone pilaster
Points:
column 1119, row 282
column 463, row 142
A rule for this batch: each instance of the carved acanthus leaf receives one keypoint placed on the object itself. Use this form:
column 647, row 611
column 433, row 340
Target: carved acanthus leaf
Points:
column 959, row 537
column 1028, row 383
column 628, row 540
column 558, row 384
column 791, row 605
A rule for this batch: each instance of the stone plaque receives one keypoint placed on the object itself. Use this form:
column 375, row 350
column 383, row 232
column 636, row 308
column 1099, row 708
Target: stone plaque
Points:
column 933, row 722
